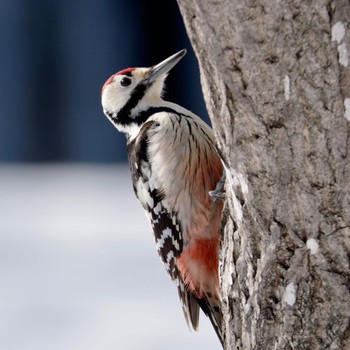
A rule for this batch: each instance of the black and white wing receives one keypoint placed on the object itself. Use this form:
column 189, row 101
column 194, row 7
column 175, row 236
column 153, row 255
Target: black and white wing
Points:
column 165, row 224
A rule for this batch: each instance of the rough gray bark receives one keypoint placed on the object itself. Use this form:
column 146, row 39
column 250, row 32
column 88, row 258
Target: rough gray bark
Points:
column 276, row 81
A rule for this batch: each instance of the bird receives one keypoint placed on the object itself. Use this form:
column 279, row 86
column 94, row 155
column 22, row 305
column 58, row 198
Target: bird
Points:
column 175, row 168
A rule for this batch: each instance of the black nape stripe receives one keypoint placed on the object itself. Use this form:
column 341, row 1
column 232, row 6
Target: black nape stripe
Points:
column 144, row 115
column 136, row 96
column 124, row 114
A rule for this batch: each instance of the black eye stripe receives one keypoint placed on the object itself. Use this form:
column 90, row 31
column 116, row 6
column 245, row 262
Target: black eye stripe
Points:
column 125, row 81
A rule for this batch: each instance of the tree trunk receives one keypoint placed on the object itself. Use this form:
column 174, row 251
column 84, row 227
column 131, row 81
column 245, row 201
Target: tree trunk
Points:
column 276, row 81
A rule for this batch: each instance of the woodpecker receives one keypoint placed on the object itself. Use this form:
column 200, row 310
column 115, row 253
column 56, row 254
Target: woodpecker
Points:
column 174, row 165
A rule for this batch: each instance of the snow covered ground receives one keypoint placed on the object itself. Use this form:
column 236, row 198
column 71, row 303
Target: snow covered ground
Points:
column 78, row 266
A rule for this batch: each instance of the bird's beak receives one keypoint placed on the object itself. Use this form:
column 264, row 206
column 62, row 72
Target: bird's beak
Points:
column 164, row 66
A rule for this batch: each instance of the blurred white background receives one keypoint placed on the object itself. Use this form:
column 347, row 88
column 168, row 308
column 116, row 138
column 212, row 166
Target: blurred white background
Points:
column 78, row 266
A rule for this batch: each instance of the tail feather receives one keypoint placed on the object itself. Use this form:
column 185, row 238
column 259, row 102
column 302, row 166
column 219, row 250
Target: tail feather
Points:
column 211, row 306
column 213, row 311
column 190, row 307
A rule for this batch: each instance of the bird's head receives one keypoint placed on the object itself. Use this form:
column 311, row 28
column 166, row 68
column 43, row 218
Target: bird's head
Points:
column 133, row 90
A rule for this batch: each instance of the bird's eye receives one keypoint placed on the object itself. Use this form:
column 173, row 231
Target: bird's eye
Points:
column 126, row 81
